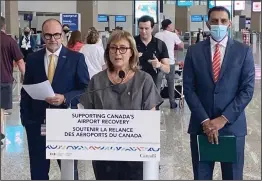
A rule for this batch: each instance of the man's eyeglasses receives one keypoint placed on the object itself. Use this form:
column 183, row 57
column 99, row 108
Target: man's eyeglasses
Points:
column 49, row 36
column 122, row 50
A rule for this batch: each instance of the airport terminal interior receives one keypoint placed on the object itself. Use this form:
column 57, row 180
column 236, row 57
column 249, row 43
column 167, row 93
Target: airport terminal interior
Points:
column 188, row 17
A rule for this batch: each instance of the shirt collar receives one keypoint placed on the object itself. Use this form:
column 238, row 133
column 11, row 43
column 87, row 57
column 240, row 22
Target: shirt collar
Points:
column 48, row 53
column 223, row 42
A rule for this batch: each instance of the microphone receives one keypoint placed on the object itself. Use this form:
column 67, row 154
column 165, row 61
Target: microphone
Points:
column 121, row 74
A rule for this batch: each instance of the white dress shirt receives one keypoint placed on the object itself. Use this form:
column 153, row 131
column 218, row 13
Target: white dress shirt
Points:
column 47, row 58
column 222, row 48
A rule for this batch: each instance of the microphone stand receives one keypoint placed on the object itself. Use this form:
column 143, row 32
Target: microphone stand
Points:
column 121, row 75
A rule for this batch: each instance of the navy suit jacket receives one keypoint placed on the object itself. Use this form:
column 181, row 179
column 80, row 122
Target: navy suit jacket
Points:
column 228, row 96
column 70, row 79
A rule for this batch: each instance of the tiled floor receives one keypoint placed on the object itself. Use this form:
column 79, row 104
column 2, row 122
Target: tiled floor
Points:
column 175, row 153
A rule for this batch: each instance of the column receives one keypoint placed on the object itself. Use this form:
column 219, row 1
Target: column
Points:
column 88, row 11
column 256, row 20
column 2, row 8
column 11, row 17
column 181, row 19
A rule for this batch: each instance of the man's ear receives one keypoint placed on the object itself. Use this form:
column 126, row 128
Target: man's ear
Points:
column 208, row 25
column 230, row 24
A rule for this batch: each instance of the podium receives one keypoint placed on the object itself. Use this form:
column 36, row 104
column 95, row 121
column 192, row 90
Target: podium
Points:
column 113, row 135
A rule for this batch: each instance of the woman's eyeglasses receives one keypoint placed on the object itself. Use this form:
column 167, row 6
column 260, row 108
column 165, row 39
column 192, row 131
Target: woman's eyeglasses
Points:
column 122, row 50
column 49, row 36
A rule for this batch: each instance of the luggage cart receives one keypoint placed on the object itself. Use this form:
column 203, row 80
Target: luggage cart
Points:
column 178, row 86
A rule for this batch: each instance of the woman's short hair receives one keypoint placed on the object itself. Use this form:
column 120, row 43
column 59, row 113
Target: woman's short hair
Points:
column 117, row 36
column 74, row 38
column 92, row 37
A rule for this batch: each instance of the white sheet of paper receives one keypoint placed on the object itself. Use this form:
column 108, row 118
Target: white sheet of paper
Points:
column 40, row 91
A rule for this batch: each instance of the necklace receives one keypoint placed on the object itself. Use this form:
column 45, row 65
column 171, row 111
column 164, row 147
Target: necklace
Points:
column 116, row 82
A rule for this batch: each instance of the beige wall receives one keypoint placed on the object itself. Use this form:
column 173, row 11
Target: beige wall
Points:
column 48, row 6
column 115, row 7
column 170, row 12
column 256, row 20
column 181, row 19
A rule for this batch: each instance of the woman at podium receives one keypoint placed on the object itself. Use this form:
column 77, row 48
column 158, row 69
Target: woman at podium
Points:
column 122, row 86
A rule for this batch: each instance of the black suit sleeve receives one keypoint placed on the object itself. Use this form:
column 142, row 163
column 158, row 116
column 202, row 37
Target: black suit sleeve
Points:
column 26, row 100
column 82, row 80
column 245, row 90
column 191, row 97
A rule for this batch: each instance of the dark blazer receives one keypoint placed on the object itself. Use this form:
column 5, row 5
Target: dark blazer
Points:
column 70, row 79
column 229, row 96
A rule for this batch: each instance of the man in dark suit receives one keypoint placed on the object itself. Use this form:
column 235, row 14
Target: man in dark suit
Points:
column 219, row 79
column 68, row 74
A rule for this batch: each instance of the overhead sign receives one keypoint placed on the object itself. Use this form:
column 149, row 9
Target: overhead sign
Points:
column 120, row 18
column 102, row 18
column 257, row 6
column 72, row 20
column 185, row 3
column 146, row 8
column 239, row 5
column 196, row 18
column 206, row 18
column 211, row 4
column 80, row 134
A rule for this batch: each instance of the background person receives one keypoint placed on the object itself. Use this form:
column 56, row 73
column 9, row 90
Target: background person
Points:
column 27, row 43
column 171, row 40
column 94, row 54
column 9, row 52
column 75, row 41
column 153, row 53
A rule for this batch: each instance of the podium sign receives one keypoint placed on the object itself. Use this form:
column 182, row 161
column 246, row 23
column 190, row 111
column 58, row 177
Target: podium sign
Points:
column 120, row 135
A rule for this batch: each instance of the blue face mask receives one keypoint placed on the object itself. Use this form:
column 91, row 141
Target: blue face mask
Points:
column 218, row 32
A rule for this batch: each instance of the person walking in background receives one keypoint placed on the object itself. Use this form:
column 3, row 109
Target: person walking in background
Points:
column 219, row 77
column 27, row 43
column 10, row 52
column 171, row 40
column 201, row 36
column 67, row 34
column 153, row 53
column 94, row 54
column 99, row 42
column 68, row 75
column 136, row 91
column 75, row 41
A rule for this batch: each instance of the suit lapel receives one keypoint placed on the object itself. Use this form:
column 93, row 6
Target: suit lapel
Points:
column 60, row 63
column 227, row 58
column 208, row 57
column 42, row 65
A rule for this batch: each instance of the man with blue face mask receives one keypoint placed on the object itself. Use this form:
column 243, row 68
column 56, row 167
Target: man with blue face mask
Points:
column 219, row 78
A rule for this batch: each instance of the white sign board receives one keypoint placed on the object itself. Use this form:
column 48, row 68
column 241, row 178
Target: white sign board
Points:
column 239, row 5
column 256, row 6
column 123, row 135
